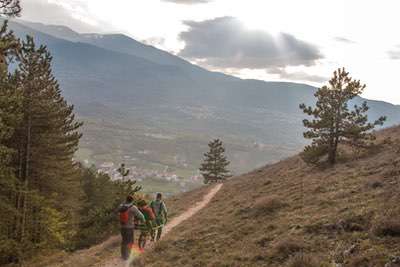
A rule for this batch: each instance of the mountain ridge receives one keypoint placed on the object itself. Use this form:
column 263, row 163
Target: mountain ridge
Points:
column 128, row 101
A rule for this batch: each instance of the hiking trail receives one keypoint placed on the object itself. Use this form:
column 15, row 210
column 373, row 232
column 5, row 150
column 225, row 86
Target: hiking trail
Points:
column 117, row 262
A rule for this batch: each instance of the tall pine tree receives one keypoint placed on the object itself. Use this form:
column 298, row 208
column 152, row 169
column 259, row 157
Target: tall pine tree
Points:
column 45, row 141
column 333, row 123
column 214, row 167
column 10, row 117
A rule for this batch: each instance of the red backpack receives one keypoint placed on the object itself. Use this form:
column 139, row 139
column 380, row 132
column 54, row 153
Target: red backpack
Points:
column 148, row 213
column 124, row 213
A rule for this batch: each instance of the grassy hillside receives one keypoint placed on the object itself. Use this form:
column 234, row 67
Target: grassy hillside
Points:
column 346, row 214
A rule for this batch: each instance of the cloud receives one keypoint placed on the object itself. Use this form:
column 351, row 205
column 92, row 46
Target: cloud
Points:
column 344, row 40
column 297, row 75
column 73, row 13
column 155, row 41
column 188, row 2
column 395, row 53
column 225, row 42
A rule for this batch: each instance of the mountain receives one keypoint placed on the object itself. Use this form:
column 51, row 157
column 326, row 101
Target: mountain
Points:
column 156, row 111
column 289, row 214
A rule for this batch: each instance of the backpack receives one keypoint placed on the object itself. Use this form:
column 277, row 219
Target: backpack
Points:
column 148, row 213
column 124, row 213
column 159, row 208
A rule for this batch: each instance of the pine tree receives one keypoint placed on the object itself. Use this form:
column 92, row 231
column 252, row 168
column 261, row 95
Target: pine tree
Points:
column 123, row 171
column 45, row 141
column 333, row 123
column 10, row 117
column 101, row 199
column 358, row 133
column 214, row 167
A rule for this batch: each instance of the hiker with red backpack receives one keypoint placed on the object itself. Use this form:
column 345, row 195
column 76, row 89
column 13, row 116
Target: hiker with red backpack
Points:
column 128, row 215
column 160, row 210
column 150, row 224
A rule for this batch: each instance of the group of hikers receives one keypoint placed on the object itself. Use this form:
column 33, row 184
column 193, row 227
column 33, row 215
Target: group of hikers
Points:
column 148, row 218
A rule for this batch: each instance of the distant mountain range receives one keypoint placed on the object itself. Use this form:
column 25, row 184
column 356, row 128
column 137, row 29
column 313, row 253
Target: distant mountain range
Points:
column 153, row 109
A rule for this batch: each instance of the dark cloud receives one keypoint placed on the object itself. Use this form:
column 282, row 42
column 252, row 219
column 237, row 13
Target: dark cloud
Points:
column 55, row 14
column 188, row 2
column 297, row 75
column 225, row 42
column 344, row 40
column 395, row 53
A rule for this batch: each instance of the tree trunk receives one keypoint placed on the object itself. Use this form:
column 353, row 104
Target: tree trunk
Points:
column 336, row 134
column 18, row 198
column 26, row 175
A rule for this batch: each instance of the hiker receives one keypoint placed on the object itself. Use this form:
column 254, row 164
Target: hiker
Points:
column 150, row 222
column 160, row 210
column 128, row 214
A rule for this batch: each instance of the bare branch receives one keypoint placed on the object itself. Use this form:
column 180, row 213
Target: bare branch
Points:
column 10, row 8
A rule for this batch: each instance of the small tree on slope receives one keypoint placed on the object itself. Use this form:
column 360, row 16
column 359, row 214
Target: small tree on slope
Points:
column 214, row 167
column 333, row 123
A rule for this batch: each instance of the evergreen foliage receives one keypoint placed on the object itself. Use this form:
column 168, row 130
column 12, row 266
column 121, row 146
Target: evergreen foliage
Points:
column 10, row 118
column 123, row 171
column 214, row 167
column 333, row 123
column 47, row 200
column 98, row 213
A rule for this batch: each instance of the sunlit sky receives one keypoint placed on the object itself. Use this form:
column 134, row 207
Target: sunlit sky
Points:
column 285, row 40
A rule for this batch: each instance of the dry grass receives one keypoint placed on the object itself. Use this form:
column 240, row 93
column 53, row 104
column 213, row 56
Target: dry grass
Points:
column 288, row 247
column 267, row 205
column 303, row 260
column 253, row 213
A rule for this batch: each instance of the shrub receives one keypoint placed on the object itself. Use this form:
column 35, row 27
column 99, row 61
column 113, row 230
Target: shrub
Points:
column 267, row 205
column 288, row 247
column 301, row 260
column 359, row 261
column 387, row 226
column 374, row 183
column 354, row 222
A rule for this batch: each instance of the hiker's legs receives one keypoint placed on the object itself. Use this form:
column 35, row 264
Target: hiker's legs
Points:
column 160, row 223
column 159, row 232
column 142, row 239
column 127, row 242
column 152, row 234
column 150, row 227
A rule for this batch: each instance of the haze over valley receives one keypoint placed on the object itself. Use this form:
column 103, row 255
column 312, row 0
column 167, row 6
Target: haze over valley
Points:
column 157, row 112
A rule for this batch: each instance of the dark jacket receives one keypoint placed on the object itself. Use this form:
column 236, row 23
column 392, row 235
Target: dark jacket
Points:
column 133, row 213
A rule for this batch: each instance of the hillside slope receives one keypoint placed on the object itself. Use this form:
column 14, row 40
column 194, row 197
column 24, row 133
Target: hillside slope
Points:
column 348, row 213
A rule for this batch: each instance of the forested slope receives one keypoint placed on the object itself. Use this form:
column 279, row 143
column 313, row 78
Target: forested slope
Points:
column 48, row 201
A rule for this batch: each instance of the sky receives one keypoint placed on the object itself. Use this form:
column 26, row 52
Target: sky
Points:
column 286, row 40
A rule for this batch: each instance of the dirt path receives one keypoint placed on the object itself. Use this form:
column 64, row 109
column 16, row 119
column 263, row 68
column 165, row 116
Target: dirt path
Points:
column 117, row 262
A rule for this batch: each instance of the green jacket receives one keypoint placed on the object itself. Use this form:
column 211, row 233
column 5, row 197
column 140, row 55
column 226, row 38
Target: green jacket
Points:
column 159, row 208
